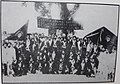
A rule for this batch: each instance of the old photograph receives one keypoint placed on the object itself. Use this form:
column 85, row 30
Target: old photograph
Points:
column 58, row 41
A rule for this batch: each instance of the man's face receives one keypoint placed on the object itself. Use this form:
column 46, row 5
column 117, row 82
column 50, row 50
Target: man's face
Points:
column 74, row 38
column 107, row 39
column 9, row 45
column 49, row 38
column 59, row 39
column 68, row 37
column 14, row 44
column 5, row 45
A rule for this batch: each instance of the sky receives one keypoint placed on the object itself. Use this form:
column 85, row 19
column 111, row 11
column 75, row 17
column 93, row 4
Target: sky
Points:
column 90, row 16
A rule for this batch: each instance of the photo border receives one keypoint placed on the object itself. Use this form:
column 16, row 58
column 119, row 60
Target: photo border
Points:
column 69, row 2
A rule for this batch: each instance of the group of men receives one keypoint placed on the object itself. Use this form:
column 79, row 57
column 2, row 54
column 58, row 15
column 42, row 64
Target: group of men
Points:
column 52, row 54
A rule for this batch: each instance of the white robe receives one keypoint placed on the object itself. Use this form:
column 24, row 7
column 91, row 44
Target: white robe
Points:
column 8, row 54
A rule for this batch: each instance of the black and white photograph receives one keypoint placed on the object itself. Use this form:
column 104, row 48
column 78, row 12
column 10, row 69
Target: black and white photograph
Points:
column 58, row 42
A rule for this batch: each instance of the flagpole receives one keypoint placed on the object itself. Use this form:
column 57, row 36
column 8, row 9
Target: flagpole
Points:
column 100, row 39
column 20, row 34
column 27, row 29
column 27, row 21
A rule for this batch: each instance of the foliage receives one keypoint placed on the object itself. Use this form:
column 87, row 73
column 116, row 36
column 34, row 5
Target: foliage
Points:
column 43, row 9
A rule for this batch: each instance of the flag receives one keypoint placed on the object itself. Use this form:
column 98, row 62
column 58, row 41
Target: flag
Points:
column 104, row 37
column 20, row 34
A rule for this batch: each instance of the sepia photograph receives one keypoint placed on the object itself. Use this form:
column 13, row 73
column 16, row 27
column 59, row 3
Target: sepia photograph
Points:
column 58, row 42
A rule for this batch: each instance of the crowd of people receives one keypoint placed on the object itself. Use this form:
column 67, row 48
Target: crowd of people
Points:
column 52, row 54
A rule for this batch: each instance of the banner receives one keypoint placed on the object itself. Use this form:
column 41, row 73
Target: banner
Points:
column 20, row 34
column 58, row 24
column 104, row 37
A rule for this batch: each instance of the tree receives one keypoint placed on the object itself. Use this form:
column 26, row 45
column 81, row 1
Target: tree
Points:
column 42, row 9
column 65, row 14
